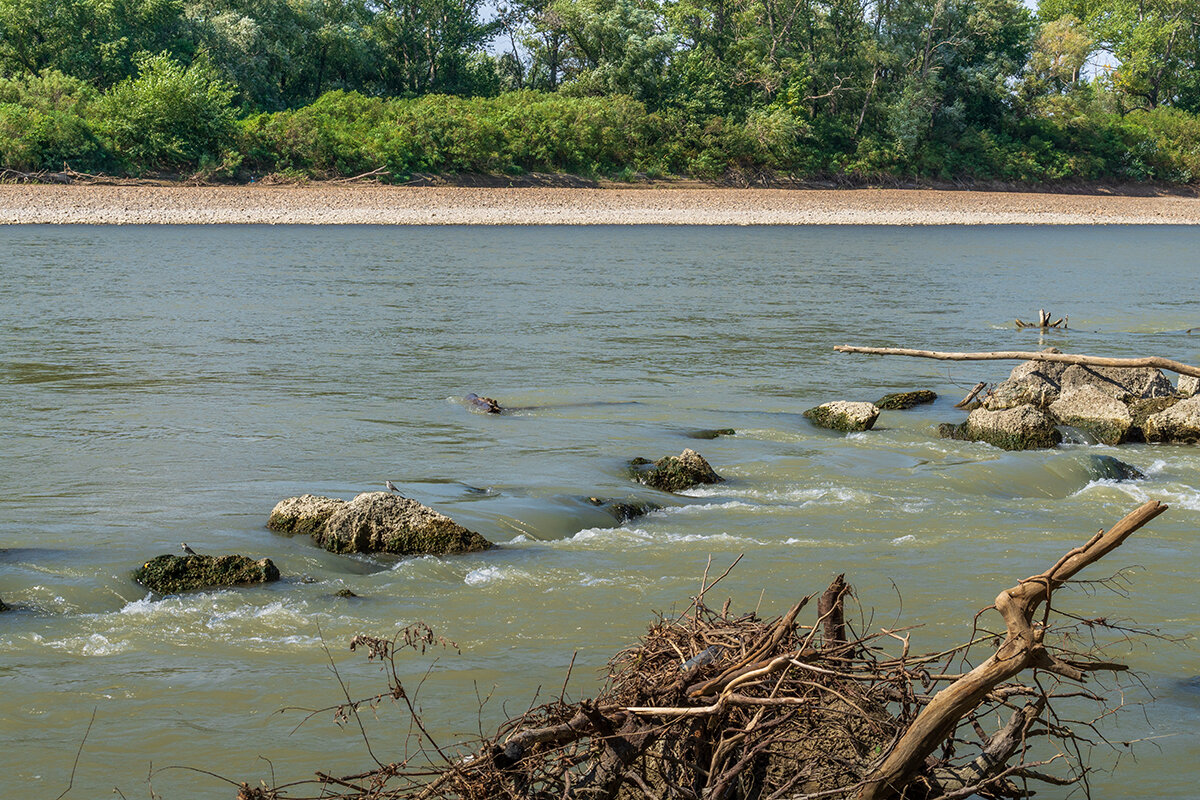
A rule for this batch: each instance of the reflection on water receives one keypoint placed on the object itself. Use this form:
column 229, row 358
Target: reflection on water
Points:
column 168, row 384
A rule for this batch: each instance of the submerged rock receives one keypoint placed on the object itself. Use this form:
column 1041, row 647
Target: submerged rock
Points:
column 170, row 574
column 344, row 593
column 711, row 433
column 1020, row 428
column 1092, row 410
column 3, row 607
column 674, row 473
column 1107, row 468
column 304, row 514
column 844, row 416
column 381, row 522
column 624, row 511
column 1179, row 423
column 902, row 401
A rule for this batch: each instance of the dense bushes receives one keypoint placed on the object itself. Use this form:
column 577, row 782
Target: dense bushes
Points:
column 179, row 120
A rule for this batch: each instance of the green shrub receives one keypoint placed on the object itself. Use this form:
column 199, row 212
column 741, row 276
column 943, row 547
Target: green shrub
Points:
column 169, row 117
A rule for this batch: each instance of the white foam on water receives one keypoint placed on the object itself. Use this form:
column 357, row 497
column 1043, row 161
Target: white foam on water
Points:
column 94, row 644
column 1156, row 467
column 904, row 539
column 482, row 575
column 701, row 508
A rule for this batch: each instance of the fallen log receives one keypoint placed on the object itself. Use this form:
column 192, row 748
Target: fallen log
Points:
column 1018, row 355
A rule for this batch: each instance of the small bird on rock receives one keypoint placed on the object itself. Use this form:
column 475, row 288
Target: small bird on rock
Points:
column 391, row 487
column 187, row 549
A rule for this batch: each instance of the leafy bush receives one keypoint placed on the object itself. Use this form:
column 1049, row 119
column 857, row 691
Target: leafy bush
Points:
column 42, row 124
column 169, row 117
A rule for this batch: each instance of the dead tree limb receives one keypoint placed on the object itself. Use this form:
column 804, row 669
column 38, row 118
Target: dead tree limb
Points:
column 1017, row 355
column 1022, row 648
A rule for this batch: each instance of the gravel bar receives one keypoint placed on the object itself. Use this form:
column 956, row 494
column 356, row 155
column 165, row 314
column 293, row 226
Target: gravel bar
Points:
column 391, row 205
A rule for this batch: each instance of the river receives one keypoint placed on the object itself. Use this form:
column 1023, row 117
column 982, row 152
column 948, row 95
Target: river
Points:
column 168, row 384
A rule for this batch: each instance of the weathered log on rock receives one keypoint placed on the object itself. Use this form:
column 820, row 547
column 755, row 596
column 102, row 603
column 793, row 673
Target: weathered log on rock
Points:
column 1021, row 649
column 1017, row 355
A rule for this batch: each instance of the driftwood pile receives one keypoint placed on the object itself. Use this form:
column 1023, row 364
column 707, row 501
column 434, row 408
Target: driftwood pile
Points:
column 711, row 705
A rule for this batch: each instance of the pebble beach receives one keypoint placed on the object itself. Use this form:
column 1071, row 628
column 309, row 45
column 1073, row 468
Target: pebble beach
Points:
column 392, row 205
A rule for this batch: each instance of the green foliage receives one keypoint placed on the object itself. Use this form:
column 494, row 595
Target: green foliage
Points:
column 42, row 124
column 169, row 117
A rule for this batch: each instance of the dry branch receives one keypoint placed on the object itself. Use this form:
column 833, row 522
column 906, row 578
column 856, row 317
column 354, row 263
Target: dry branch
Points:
column 1017, row 355
column 1022, row 648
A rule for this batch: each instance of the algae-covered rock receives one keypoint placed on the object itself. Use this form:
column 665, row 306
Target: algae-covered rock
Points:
column 674, row 473
column 843, row 416
column 711, row 433
column 1092, row 410
column 1179, row 423
column 902, row 401
column 304, row 514
column 1107, row 468
column 1020, row 428
column 169, row 574
column 381, row 522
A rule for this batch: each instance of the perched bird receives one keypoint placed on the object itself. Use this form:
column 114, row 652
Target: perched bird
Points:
column 391, row 487
column 187, row 549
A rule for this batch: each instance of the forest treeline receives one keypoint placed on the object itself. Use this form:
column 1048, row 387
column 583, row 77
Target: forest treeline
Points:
column 943, row 89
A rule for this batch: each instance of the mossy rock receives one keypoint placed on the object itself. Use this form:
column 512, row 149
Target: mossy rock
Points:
column 844, row 416
column 1141, row 410
column 1020, row 428
column 380, row 522
column 170, row 574
column 902, row 401
column 711, row 433
column 303, row 515
column 674, row 473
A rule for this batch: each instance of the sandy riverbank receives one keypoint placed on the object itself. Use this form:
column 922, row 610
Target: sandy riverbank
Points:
column 553, row 206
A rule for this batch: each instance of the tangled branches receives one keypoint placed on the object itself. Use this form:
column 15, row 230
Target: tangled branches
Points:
column 716, row 706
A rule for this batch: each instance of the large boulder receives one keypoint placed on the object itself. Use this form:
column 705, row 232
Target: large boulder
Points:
column 674, row 473
column 844, row 416
column 1188, row 386
column 305, row 514
column 1179, row 423
column 1030, row 383
column 1094, row 411
column 1020, row 428
column 1123, row 383
column 169, row 574
column 381, row 522
column 902, row 401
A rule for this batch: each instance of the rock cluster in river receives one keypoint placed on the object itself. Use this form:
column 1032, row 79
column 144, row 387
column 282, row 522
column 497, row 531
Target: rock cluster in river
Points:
column 375, row 522
column 1114, row 405
column 674, row 473
column 170, row 574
